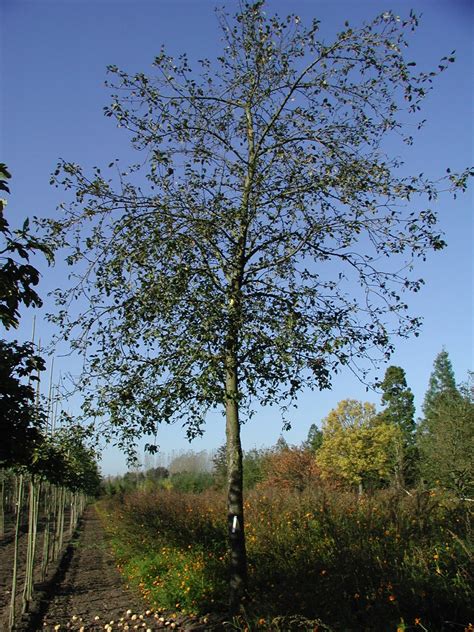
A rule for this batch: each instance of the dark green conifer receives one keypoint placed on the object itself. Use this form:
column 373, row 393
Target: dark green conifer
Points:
column 399, row 401
column 442, row 381
column 314, row 439
column 446, row 441
column 399, row 410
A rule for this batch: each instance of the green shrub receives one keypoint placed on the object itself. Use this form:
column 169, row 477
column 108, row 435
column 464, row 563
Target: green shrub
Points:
column 194, row 482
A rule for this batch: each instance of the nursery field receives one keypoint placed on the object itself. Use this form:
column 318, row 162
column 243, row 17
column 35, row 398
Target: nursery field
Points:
column 6, row 558
column 321, row 559
column 38, row 524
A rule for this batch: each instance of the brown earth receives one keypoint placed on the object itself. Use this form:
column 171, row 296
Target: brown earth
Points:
column 7, row 544
column 88, row 593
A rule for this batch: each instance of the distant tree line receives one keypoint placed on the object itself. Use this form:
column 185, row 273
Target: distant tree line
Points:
column 356, row 446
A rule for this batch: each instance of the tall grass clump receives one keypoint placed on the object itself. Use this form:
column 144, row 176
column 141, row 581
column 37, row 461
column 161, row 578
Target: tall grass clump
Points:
column 383, row 561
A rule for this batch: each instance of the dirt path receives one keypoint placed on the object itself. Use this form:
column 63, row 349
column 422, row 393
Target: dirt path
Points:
column 88, row 584
column 89, row 592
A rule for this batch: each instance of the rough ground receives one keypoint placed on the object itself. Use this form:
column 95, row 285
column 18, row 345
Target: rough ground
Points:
column 6, row 563
column 88, row 592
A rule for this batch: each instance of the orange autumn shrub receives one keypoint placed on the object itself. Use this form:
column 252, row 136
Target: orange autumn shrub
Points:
column 291, row 468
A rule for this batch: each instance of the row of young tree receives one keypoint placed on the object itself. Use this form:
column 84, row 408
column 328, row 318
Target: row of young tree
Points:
column 46, row 469
column 46, row 506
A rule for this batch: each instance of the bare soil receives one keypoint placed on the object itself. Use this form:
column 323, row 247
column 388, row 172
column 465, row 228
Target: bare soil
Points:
column 7, row 544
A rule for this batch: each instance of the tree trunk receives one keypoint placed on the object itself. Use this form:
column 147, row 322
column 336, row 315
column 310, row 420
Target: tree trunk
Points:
column 49, row 498
column 19, row 500
column 2, row 505
column 33, row 508
column 235, row 506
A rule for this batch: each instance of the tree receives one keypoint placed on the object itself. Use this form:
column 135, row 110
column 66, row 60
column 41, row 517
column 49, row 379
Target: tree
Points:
column 447, row 442
column 442, row 381
column 191, row 482
column 260, row 249
column 17, row 276
column 314, row 439
column 399, row 410
column 20, row 416
column 253, row 462
column 358, row 447
column 157, row 474
column 191, row 461
column 446, row 433
column 219, row 467
column 398, row 400
column 293, row 468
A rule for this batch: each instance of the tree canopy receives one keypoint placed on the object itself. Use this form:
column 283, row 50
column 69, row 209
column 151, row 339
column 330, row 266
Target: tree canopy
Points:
column 446, row 433
column 442, row 381
column 17, row 276
column 20, row 416
column 398, row 400
column 314, row 439
column 266, row 201
column 358, row 447
column 21, row 419
column 399, row 410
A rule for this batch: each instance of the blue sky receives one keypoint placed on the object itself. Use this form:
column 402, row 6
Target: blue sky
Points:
column 53, row 60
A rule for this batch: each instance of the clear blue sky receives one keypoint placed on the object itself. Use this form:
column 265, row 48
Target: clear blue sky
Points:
column 53, row 59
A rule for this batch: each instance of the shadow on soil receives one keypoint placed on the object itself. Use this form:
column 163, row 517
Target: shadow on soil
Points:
column 44, row 591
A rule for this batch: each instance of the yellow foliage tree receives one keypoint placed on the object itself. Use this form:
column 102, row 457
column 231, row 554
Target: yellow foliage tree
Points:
column 358, row 447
